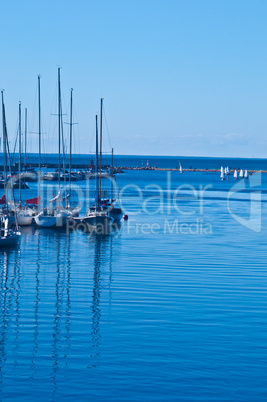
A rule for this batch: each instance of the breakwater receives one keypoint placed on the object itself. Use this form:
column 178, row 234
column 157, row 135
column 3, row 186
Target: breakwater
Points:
column 120, row 169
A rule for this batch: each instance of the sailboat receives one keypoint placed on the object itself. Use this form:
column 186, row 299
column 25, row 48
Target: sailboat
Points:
column 235, row 174
column 24, row 215
column 114, row 212
column 59, row 215
column 241, row 174
column 8, row 237
column 44, row 218
column 97, row 218
column 181, row 169
column 74, row 211
column 222, row 174
column 246, row 174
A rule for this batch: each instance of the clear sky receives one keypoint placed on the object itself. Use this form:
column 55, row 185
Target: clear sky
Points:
column 178, row 77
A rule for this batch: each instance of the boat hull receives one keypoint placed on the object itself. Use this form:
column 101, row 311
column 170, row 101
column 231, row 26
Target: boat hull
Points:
column 62, row 220
column 45, row 221
column 116, row 214
column 99, row 224
column 9, row 241
column 24, row 220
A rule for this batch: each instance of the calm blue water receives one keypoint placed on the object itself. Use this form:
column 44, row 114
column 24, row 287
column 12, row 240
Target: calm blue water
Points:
column 171, row 306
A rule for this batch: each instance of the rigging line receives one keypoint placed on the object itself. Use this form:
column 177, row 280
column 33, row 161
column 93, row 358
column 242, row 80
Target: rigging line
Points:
column 107, row 127
column 92, row 140
column 9, row 164
column 63, row 148
column 14, row 149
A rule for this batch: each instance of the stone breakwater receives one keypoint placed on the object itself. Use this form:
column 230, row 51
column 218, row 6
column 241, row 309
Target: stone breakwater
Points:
column 185, row 170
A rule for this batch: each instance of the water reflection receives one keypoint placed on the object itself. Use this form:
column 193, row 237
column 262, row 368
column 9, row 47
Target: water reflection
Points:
column 9, row 302
column 42, row 286
column 36, row 307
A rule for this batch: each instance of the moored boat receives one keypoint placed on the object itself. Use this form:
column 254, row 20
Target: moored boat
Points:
column 8, row 237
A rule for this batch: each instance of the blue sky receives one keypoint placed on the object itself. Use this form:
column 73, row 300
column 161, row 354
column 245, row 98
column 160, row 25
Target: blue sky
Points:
column 178, row 77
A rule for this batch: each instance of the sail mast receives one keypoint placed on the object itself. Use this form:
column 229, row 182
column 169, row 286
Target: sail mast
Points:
column 59, row 127
column 70, row 146
column 4, row 147
column 111, row 177
column 39, row 134
column 100, row 163
column 96, row 168
column 25, row 139
column 19, row 152
column 7, row 154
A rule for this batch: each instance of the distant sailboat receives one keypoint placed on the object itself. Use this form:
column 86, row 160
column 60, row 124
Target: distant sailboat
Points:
column 241, row 174
column 235, row 174
column 222, row 174
column 181, row 169
column 246, row 174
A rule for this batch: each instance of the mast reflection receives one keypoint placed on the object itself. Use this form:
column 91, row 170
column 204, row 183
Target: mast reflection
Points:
column 9, row 303
column 47, row 310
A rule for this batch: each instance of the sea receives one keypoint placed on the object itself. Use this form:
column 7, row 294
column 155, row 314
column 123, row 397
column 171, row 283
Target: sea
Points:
column 170, row 306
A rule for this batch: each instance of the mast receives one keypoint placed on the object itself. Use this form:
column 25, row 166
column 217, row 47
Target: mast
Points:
column 63, row 149
column 39, row 134
column 96, row 167
column 4, row 147
column 111, row 177
column 19, row 152
column 59, row 127
column 7, row 153
column 25, row 150
column 70, row 146
column 100, row 164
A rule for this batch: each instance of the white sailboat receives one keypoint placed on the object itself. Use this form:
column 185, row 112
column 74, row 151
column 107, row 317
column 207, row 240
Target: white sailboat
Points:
column 45, row 217
column 241, row 174
column 55, row 216
column 246, row 174
column 8, row 237
column 24, row 215
column 235, row 174
column 222, row 174
column 181, row 169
